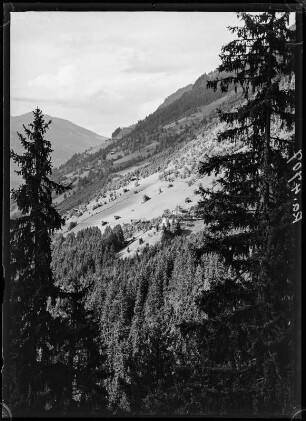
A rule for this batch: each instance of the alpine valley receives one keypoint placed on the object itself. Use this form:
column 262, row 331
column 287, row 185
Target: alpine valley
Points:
column 146, row 172
column 155, row 273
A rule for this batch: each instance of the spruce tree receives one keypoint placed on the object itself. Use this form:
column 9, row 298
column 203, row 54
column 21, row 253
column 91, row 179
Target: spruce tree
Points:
column 248, row 331
column 31, row 275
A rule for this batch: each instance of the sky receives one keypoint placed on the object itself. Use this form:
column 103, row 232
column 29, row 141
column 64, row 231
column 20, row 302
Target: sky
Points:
column 103, row 70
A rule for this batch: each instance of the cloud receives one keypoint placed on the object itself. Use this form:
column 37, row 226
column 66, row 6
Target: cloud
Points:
column 65, row 76
column 151, row 66
column 49, row 101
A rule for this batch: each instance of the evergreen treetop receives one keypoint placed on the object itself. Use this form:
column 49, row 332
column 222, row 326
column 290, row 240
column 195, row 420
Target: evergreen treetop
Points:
column 249, row 311
column 257, row 62
column 31, row 283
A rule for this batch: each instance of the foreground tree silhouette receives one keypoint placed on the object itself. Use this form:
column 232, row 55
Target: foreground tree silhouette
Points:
column 247, row 337
column 32, row 333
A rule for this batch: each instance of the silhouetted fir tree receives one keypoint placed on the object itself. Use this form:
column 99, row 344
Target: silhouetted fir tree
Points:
column 32, row 337
column 119, row 348
column 82, row 352
column 248, row 331
column 119, row 237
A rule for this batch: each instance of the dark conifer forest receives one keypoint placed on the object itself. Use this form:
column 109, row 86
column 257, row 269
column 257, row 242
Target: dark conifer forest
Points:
column 199, row 325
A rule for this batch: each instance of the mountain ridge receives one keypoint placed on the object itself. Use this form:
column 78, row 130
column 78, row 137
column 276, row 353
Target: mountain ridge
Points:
column 176, row 95
column 66, row 139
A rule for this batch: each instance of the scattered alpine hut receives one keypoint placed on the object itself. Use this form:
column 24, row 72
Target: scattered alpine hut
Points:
column 166, row 223
column 135, row 222
column 194, row 211
column 170, row 224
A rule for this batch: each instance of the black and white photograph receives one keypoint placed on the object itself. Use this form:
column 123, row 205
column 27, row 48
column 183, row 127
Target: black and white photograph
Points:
column 152, row 208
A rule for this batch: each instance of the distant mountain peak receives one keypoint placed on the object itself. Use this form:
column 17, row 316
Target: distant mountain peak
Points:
column 66, row 139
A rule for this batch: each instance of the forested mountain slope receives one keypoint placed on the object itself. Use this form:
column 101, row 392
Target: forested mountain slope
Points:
column 165, row 170
column 176, row 95
column 139, row 307
column 141, row 147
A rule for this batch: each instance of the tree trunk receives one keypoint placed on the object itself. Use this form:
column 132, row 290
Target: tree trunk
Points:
column 268, row 128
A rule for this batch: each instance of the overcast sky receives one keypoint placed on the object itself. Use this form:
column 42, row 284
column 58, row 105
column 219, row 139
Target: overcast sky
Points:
column 102, row 70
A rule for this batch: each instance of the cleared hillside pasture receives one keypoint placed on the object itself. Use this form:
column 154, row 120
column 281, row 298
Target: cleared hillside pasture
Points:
column 162, row 142
column 144, row 152
column 129, row 206
column 151, row 237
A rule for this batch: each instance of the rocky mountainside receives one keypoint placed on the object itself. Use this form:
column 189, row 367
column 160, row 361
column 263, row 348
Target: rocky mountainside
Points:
column 66, row 138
